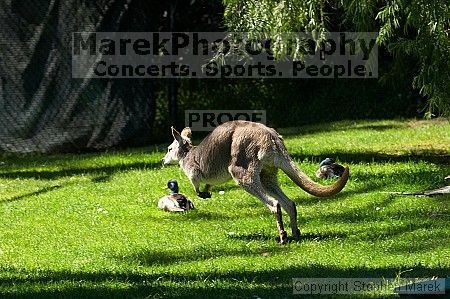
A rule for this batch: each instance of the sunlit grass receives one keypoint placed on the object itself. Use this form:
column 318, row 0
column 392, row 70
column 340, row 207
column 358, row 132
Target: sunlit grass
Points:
column 87, row 225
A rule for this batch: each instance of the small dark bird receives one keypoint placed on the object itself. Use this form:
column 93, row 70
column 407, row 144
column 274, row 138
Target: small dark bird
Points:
column 175, row 202
column 173, row 186
column 329, row 169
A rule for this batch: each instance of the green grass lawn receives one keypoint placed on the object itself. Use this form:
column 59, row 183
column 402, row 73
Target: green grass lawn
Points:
column 78, row 226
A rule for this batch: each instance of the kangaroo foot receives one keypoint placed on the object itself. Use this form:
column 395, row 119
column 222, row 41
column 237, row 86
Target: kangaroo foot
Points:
column 283, row 237
column 296, row 234
column 204, row 194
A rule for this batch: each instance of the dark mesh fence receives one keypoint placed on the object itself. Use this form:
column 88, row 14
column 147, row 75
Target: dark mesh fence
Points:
column 42, row 108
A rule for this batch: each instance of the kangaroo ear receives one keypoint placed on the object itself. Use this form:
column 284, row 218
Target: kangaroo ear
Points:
column 186, row 133
column 176, row 135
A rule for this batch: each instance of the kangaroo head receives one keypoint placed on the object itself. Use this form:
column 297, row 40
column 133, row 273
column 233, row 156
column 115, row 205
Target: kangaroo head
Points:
column 180, row 146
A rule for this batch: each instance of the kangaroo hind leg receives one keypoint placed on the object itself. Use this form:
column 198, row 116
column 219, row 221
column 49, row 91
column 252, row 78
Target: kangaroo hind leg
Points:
column 269, row 181
column 250, row 182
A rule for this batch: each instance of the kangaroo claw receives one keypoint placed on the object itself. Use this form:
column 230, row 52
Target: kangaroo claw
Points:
column 283, row 238
column 296, row 234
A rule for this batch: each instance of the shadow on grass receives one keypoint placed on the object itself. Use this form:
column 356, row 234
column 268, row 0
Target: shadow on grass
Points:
column 254, row 237
column 303, row 237
column 379, row 128
column 168, row 257
column 338, row 127
column 101, row 179
column 376, row 157
column 105, row 171
column 29, row 194
column 274, row 283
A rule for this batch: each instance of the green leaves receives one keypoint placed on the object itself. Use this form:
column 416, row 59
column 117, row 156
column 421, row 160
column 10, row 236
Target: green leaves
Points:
column 417, row 29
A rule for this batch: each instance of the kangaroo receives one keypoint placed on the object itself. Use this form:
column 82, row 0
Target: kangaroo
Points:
column 250, row 154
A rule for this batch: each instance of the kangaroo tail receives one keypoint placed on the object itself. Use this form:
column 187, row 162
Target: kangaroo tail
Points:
column 313, row 188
